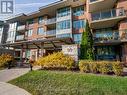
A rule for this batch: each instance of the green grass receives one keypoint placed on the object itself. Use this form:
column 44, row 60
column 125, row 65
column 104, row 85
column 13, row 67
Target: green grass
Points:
column 70, row 83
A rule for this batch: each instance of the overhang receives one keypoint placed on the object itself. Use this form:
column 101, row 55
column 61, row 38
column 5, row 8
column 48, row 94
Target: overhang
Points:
column 51, row 43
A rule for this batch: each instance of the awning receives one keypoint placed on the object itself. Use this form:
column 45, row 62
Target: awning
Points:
column 51, row 43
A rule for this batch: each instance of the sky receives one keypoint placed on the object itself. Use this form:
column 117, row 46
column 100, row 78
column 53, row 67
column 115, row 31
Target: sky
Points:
column 27, row 6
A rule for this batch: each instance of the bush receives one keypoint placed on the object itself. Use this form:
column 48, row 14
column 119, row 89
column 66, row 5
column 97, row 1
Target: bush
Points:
column 4, row 59
column 84, row 66
column 56, row 60
column 118, row 68
column 104, row 67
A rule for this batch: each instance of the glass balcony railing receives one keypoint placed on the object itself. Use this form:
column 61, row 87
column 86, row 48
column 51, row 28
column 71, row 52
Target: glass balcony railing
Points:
column 91, row 1
column 50, row 21
column 110, row 36
column 22, row 27
column 51, row 33
column 108, row 14
column 20, row 37
column 114, row 35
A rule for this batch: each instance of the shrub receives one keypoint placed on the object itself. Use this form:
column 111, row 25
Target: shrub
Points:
column 84, row 66
column 118, row 68
column 56, row 60
column 103, row 67
column 4, row 59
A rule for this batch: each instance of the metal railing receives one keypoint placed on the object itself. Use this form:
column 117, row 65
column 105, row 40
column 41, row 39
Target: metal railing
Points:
column 51, row 33
column 22, row 27
column 50, row 21
column 20, row 37
column 108, row 14
column 114, row 36
column 91, row 1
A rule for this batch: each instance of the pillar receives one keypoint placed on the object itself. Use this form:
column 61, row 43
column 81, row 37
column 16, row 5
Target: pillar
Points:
column 42, row 49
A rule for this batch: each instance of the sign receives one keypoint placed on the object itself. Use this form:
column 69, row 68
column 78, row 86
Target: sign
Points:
column 71, row 50
column 6, row 7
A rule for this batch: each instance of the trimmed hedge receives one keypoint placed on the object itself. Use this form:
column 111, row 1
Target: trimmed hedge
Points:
column 56, row 60
column 104, row 67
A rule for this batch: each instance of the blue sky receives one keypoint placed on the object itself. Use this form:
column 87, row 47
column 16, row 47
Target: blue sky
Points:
column 28, row 6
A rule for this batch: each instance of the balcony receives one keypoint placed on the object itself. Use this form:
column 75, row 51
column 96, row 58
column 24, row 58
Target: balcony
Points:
column 51, row 33
column 97, row 5
column 21, row 28
column 20, row 38
column 111, row 37
column 109, row 18
column 50, row 21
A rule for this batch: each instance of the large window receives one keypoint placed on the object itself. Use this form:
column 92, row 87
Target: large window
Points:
column 63, row 12
column 11, row 34
column 77, row 38
column 40, row 20
column 30, row 32
column 63, row 25
column 31, row 21
column 63, row 35
column 105, row 52
column 1, row 28
column 41, row 31
column 78, row 11
column 79, row 24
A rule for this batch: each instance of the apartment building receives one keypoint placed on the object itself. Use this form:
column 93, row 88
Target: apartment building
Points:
column 3, row 32
column 60, row 23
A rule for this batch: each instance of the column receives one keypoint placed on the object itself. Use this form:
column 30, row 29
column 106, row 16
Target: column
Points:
column 42, row 49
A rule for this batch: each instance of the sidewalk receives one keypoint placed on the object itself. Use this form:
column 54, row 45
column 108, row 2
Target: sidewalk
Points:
column 8, row 89
column 9, row 74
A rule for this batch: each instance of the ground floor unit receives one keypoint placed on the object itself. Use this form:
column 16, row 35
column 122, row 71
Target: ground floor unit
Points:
column 35, row 49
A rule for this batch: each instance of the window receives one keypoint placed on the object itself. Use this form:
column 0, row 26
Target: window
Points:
column 13, row 25
column 41, row 31
column 31, row 21
column 63, row 25
column 77, row 38
column 40, row 20
column 78, row 11
column 79, row 24
column 11, row 34
column 1, row 28
column 63, row 12
column 30, row 32
column 105, row 52
column 63, row 35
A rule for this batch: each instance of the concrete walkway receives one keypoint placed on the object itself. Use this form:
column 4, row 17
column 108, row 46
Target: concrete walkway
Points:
column 8, row 89
column 9, row 74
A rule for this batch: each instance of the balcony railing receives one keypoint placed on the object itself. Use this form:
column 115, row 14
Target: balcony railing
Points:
column 114, row 36
column 50, row 21
column 22, row 27
column 20, row 37
column 108, row 14
column 93, row 1
column 51, row 33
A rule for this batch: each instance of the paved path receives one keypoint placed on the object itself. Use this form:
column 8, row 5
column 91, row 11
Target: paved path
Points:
column 8, row 89
column 9, row 74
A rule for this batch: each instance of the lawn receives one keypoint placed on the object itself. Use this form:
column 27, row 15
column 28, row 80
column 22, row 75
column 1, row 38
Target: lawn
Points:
column 71, row 83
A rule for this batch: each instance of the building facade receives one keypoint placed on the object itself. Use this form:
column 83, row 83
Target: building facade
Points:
column 63, row 22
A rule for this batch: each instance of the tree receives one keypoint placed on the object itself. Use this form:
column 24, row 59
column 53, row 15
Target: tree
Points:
column 86, row 46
